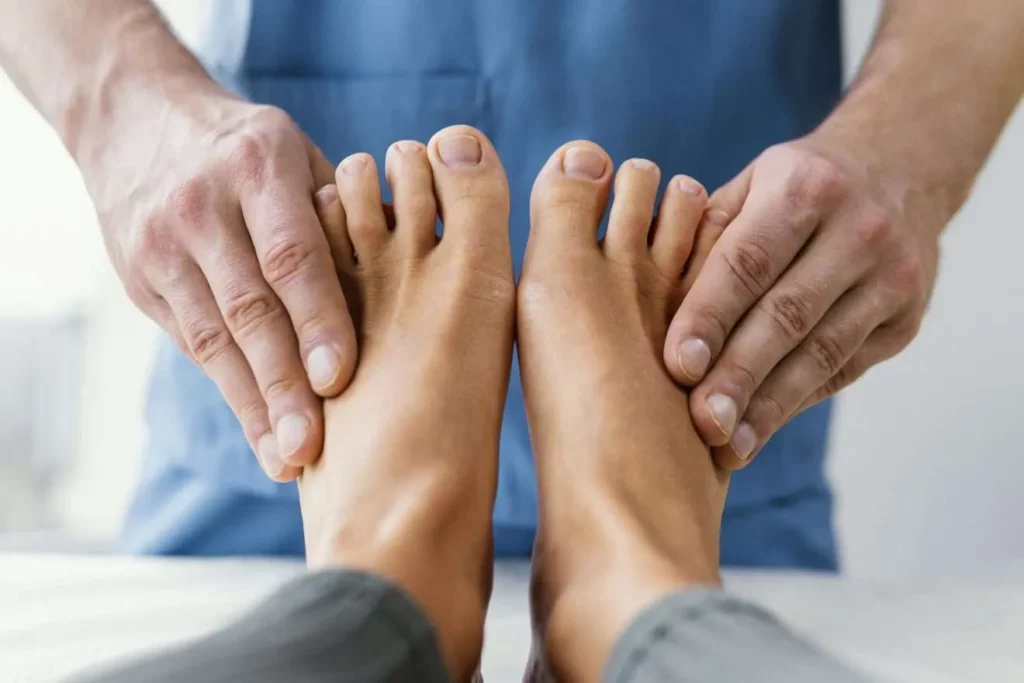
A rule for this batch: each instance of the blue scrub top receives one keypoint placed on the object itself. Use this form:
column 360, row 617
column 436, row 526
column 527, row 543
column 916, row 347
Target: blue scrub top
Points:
column 698, row 86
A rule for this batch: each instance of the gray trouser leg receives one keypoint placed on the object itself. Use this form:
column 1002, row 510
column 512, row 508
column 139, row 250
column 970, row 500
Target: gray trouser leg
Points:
column 703, row 635
column 331, row 626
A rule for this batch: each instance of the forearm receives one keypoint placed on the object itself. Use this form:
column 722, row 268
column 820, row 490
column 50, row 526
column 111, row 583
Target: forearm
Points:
column 89, row 67
column 935, row 90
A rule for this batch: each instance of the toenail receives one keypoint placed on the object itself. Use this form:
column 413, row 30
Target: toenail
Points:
column 459, row 150
column 581, row 162
column 694, row 358
column 291, row 433
column 267, row 452
column 689, row 186
column 323, row 366
column 643, row 165
column 744, row 441
column 325, row 196
column 354, row 164
column 723, row 412
column 408, row 146
column 718, row 217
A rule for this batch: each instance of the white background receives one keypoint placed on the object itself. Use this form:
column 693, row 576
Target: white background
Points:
column 926, row 457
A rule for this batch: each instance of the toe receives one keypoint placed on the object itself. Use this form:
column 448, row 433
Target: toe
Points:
column 412, row 186
column 678, row 217
column 712, row 225
column 471, row 189
column 636, row 190
column 332, row 221
column 359, row 191
column 570, row 193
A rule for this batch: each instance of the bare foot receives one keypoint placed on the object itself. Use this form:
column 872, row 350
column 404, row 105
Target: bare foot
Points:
column 630, row 501
column 407, row 478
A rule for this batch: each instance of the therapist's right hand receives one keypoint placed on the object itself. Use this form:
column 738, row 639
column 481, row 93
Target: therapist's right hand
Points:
column 208, row 215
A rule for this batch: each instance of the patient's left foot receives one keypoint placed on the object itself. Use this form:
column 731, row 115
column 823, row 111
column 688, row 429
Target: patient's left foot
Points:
column 406, row 482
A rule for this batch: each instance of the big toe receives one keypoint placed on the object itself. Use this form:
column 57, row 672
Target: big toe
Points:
column 472, row 192
column 570, row 193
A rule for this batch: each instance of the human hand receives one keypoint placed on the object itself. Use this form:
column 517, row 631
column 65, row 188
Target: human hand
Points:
column 822, row 272
column 208, row 215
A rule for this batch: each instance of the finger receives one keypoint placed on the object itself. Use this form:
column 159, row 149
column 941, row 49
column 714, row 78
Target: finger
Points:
column 209, row 344
column 882, row 344
column 296, row 262
column 827, row 348
column 259, row 324
column 756, row 247
column 828, row 266
column 332, row 220
column 319, row 166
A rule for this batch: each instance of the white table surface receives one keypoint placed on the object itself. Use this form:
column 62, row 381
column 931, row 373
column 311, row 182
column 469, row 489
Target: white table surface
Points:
column 62, row 613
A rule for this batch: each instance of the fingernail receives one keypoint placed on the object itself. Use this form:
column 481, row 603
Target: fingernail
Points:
column 266, row 450
column 694, row 358
column 744, row 440
column 354, row 164
column 642, row 165
column 459, row 150
column 291, row 433
column 323, row 365
column 718, row 217
column 407, row 146
column 325, row 196
column 723, row 412
column 689, row 186
column 582, row 162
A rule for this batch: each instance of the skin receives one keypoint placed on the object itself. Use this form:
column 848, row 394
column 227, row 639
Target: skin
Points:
column 407, row 492
column 828, row 260
column 206, row 206
column 409, row 471
column 831, row 242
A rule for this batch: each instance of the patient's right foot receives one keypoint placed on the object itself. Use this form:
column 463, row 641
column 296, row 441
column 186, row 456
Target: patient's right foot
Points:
column 406, row 482
column 630, row 502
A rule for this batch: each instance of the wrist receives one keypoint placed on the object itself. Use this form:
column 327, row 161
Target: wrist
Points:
column 912, row 161
column 142, row 75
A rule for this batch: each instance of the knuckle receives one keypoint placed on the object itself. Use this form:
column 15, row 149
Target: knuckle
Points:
column 249, row 157
column 144, row 241
column 741, row 376
column 271, row 118
column 751, row 265
column 138, row 293
column 827, row 353
column 206, row 341
column 791, row 312
column 190, row 201
column 907, row 274
column 905, row 330
column 711, row 324
column 252, row 413
column 248, row 311
column 284, row 261
column 873, row 228
column 813, row 180
column 766, row 412
column 837, row 382
column 283, row 386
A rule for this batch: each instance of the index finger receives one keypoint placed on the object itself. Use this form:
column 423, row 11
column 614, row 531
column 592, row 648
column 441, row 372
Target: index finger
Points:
column 296, row 262
column 753, row 251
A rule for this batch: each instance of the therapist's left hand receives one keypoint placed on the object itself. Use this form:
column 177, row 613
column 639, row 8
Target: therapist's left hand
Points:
column 823, row 271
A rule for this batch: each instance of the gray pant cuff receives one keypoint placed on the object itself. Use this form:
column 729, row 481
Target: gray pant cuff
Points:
column 703, row 634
